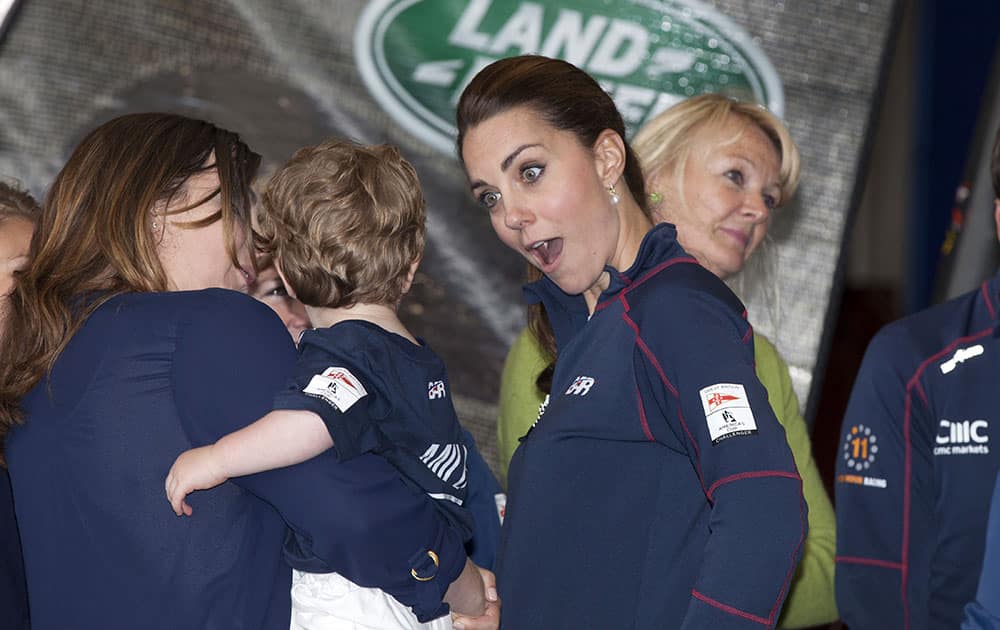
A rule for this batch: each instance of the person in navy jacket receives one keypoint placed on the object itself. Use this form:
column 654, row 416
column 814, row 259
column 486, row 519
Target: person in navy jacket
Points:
column 18, row 213
column 657, row 489
column 983, row 613
column 125, row 346
column 917, row 461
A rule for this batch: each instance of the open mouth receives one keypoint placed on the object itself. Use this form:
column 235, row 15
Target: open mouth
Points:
column 547, row 251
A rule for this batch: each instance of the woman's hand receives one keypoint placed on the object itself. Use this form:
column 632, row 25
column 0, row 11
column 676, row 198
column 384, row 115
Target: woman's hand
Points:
column 196, row 469
column 490, row 618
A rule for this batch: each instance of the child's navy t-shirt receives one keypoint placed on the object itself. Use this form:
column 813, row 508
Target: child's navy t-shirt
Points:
column 377, row 392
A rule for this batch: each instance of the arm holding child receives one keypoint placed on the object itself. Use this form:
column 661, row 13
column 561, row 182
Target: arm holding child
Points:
column 281, row 438
column 287, row 437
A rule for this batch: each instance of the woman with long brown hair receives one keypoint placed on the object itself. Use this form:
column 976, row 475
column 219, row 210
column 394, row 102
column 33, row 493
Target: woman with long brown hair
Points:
column 18, row 212
column 656, row 489
column 700, row 158
column 122, row 349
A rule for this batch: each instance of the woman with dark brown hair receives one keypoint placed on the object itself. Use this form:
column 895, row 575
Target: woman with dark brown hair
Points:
column 719, row 170
column 656, row 489
column 123, row 349
column 18, row 212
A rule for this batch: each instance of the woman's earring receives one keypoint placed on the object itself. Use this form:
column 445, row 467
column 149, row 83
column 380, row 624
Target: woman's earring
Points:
column 655, row 197
column 614, row 194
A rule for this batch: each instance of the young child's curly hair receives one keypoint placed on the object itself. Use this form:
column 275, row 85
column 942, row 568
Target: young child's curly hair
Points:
column 15, row 202
column 344, row 222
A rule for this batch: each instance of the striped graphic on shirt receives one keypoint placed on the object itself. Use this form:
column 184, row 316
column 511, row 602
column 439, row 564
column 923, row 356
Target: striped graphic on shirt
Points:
column 447, row 462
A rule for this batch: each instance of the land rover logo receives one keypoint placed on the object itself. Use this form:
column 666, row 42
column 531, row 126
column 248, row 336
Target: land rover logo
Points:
column 416, row 56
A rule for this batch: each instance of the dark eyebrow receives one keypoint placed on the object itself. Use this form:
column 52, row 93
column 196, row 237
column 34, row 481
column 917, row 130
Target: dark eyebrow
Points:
column 506, row 163
column 510, row 158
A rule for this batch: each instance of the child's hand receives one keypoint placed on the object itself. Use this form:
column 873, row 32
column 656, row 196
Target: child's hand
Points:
column 196, row 469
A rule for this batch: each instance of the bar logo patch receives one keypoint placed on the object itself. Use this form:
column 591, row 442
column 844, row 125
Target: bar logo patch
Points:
column 337, row 386
column 727, row 411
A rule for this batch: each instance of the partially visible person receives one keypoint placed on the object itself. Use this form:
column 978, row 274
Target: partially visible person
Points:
column 657, row 489
column 268, row 288
column 485, row 499
column 345, row 224
column 983, row 613
column 917, row 462
column 120, row 351
column 717, row 169
column 18, row 213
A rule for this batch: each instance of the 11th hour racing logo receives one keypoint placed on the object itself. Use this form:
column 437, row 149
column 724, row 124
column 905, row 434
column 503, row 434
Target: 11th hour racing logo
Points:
column 416, row 56
column 859, row 454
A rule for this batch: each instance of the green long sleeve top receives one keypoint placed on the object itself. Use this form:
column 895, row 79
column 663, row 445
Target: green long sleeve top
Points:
column 810, row 601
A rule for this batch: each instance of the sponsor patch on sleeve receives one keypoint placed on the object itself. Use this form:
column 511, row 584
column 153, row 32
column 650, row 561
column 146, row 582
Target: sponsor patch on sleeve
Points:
column 337, row 386
column 859, row 454
column 727, row 411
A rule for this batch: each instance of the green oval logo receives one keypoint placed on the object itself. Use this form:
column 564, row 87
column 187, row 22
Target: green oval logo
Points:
column 416, row 56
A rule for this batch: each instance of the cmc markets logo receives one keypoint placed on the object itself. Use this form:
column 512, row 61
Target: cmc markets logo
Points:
column 416, row 56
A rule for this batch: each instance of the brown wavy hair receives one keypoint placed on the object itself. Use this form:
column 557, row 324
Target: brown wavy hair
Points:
column 344, row 222
column 565, row 97
column 94, row 238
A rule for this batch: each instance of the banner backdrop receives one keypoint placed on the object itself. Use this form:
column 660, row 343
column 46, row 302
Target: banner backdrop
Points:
column 290, row 73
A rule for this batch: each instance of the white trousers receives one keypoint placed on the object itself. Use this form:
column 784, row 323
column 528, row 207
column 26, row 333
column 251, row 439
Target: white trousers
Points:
column 329, row 601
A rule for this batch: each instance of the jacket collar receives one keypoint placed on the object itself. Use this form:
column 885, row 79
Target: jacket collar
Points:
column 568, row 313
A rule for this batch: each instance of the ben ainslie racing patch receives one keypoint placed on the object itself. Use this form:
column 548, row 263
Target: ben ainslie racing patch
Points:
column 337, row 386
column 727, row 411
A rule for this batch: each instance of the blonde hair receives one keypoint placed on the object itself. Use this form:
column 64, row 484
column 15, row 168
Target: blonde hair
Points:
column 665, row 142
column 345, row 222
